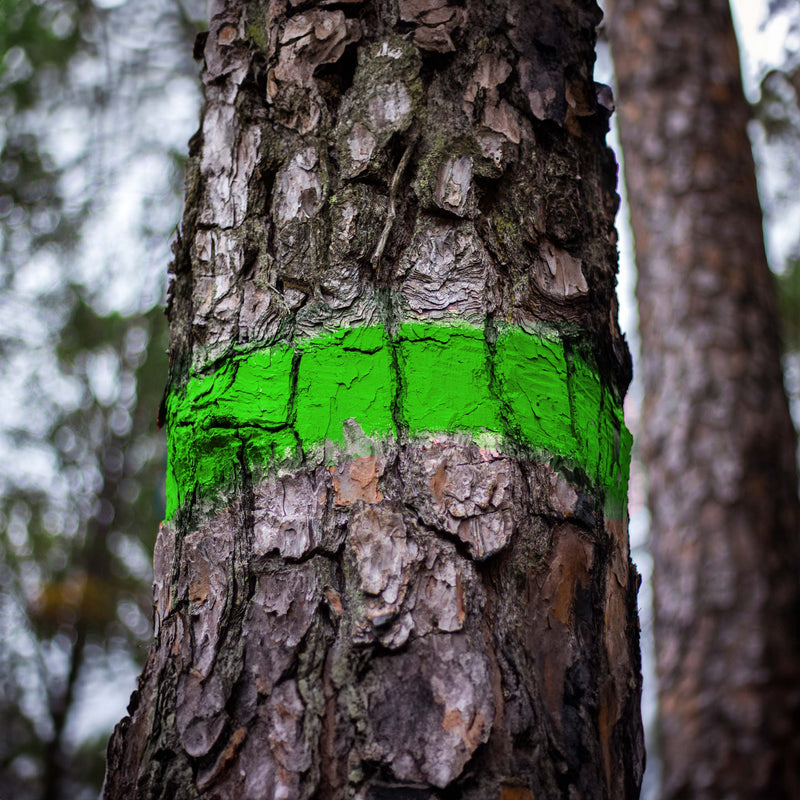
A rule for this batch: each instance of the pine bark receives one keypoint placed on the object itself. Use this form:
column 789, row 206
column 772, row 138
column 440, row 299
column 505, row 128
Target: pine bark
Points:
column 410, row 615
column 717, row 438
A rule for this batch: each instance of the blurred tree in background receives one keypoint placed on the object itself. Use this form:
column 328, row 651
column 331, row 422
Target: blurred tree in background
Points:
column 703, row 282
column 716, row 434
column 97, row 100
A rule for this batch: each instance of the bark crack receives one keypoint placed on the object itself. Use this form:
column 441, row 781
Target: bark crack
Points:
column 394, row 189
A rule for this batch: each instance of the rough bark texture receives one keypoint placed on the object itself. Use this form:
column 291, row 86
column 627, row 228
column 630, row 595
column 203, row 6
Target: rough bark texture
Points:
column 717, row 437
column 402, row 616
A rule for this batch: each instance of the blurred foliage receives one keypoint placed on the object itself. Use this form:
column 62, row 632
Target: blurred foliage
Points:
column 789, row 291
column 78, row 563
column 37, row 41
column 97, row 99
column 778, row 6
column 777, row 113
column 34, row 36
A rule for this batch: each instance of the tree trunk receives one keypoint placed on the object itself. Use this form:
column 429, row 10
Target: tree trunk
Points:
column 717, row 437
column 396, row 561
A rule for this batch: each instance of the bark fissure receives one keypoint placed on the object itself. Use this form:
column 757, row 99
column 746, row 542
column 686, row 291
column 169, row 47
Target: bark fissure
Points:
column 394, row 189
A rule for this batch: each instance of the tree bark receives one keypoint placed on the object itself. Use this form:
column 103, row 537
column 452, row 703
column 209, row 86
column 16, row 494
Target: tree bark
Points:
column 717, row 438
column 396, row 560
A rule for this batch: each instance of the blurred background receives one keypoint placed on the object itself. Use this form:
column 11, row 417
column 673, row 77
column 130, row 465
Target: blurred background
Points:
column 97, row 102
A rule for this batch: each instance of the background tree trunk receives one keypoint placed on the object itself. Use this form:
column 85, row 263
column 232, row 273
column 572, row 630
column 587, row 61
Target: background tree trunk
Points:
column 396, row 559
column 717, row 437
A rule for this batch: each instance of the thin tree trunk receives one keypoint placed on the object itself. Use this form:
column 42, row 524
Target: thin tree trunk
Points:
column 396, row 559
column 717, row 437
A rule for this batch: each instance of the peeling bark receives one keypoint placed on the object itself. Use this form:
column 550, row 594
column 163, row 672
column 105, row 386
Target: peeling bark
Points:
column 428, row 610
column 717, row 438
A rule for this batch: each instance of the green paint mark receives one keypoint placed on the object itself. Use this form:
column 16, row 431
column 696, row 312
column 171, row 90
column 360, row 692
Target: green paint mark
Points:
column 290, row 404
column 532, row 376
column 345, row 375
column 445, row 379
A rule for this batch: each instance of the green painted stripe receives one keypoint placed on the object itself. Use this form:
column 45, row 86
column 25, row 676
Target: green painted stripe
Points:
column 285, row 404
